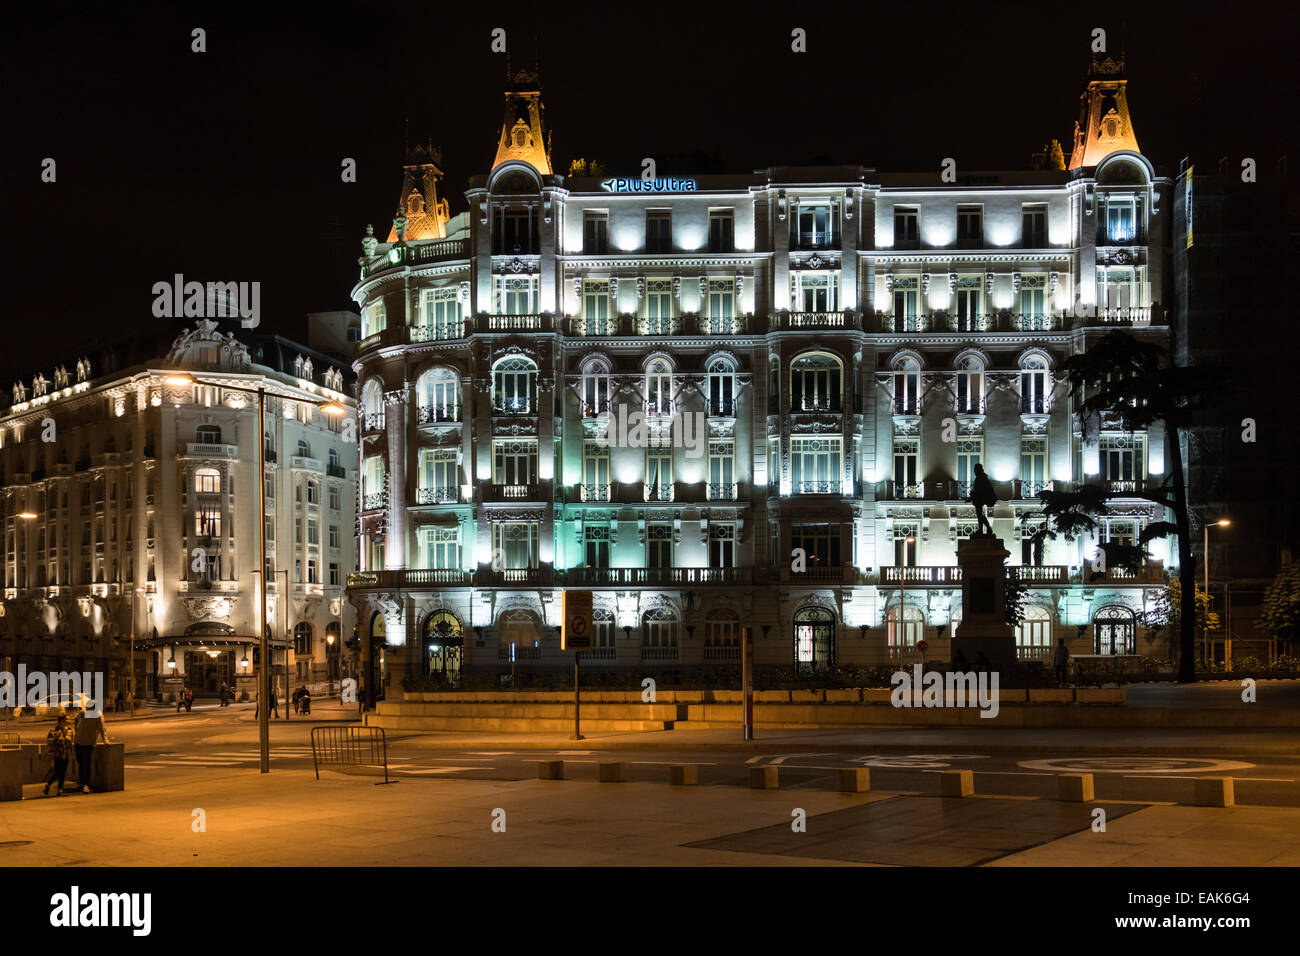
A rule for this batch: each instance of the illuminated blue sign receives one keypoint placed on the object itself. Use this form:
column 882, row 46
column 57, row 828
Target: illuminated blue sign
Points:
column 648, row 185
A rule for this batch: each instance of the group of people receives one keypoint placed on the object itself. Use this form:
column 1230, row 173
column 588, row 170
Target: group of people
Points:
column 185, row 699
column 302, row 700
column 67, row 738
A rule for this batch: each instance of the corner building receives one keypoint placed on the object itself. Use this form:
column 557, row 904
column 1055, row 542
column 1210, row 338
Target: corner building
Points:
column 816, row 358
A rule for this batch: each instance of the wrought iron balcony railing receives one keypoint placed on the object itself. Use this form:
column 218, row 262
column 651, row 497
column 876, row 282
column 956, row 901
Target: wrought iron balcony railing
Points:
column 434, row 414
column 816, row 487
column 447, row 495
column 724, row 491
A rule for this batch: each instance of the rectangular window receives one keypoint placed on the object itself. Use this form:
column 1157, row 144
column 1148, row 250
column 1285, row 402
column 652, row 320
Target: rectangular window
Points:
column 722, row 545
column 207, row 524
column 658, row 231
column 1121, row 219
column 516, row 295
column 440, row 476
column 1123, row 460
column 441, row 313
column 334, row 574
column 1033, row 302
column 659, row 545
column 297, row 530
column 595, row 233
column 815, row 291
column 334, row 499
column 1033, row 466
column 659, row 306
column 969, row 304
column 970, row 452
column 372, row 480
column 814, row 226
column 820, row 544
column 907, row 302
column 313, row 535
column 905, row 537
column 515, row 234
column 907, row 391
column 906, row 230
column 906, row 468
column 514, row 462
column 722, row 306
column 596, row 311
column 722, row 471
column 516, row 543
column 313, row 493
column 970, row 227
column 970, row 390
column 659, row 474
column 595, row 538
column 334, row 536
column 815, row 466
column 595, row 472
column 722, row 230
column 441, row 547
column 374, row 319
column 311, row 571
column 1033, row 226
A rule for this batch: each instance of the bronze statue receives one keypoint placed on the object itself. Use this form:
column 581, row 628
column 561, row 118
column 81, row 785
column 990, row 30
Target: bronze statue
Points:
column 982, row 496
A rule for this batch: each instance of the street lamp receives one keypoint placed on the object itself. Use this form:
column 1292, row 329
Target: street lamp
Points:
column 182, row 379
column 130, row 682
column 1205, row 630
column 901, row 623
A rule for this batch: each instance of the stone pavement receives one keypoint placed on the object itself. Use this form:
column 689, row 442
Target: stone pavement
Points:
column 344, row 819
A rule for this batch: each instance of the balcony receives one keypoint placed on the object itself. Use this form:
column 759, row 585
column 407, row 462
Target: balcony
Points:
column 902, row 491
column 410, row 577
column 530, row 492
column 439, row 496
column 1122, row 486
column 816, row 239
column 659, row 492
column 525, row 652
column 662, row 408
column 397, row 256
column 833, row 574
column 622, row 577
column 1033, row 322
column 374, row 502
column 1025, row 652
column 890, row 322
column 196, row 450
column 723, row 491
column 303, row 462
column 800, row 404
column 600, row 654
column 907, row 407
column 534, row 322
column 663, row 325
column 1038, row 574
column 585, row 327
column 372, row 422
column 336, row 471
column 512, row 576
column 1130, row 315
column 596, row 492
column 1036, row 406
column 716, row 655
column 1029, row 490
column 921, row 574
column 721, row 324
column 598, row 409
column 722, row 408
column 437, row 414
column 659, row 655
column 515, row 406
column 438, row 332
column 786, row 321
column 817, row 488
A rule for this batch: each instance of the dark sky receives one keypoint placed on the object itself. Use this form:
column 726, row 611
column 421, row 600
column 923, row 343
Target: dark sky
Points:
column 225, row 165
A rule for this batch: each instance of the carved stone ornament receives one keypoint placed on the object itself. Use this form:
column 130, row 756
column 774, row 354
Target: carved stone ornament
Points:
column 207, row 608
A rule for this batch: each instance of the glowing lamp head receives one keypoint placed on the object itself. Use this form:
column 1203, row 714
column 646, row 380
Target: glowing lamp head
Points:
column 27, row 515
column 333, row 408
column 179, row 380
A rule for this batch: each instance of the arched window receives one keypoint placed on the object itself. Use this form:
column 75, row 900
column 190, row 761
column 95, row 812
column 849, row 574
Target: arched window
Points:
column 302, row 638
column 207, row 481
column 438, row 396
column 514, row 385
column 814, row 639
column 1034, row 633
column 1034, row 386
column 907, row 386
column 970, row 386
column 659, row 629
column 603, row 620
column 207, row 435
column 722, row 388
column 596, row 390
column 444, row 641
column 1114, row 630
column 816, row 383
column 659, row 388
column 520, row 628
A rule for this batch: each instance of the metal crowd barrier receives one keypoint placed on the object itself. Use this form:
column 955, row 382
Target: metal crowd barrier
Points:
column 350, row 746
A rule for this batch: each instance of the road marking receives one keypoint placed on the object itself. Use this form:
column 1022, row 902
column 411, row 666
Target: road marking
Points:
column 1002, row 773
column 438, row 769
column 1159, row 765
column 914, row 761
column 674, row 763
column 1135, row 776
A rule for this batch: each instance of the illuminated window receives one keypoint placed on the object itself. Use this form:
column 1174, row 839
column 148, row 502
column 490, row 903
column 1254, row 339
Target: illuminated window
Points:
column 658, row 231
column 595, row 233
column 207, row 481
column 970, row 227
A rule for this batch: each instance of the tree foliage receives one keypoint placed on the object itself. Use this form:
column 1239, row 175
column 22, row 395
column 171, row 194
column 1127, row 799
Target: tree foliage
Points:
column 1166, row 610
column 1280, row 614
column 586, row 167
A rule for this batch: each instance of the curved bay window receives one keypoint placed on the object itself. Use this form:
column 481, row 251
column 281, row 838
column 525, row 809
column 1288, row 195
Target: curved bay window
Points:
column 1114, row 630
column 444, row 643
column 814, row 639
column 816, row 383
column 514, row 386
column 438, row 396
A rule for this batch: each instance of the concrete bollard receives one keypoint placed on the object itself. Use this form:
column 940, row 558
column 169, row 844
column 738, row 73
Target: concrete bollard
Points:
column 684, row 775
column 1075, row 787
column 11, row 774
column 956, row 783
column 550, row 770
column 1214, row 792
column 764, row 778
column 855, row 780
column 611, row 773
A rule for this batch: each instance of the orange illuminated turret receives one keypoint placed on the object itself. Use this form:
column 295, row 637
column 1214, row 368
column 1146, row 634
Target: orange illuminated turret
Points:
column 1104, row 125
column 523, row 138
column 425, row 214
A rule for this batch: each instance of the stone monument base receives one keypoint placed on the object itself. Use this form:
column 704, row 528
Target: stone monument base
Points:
column 999, row 649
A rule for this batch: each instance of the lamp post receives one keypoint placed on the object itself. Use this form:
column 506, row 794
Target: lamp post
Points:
column 181, row 380
column 902, row 595
column 130, row 681
column 1205, row 630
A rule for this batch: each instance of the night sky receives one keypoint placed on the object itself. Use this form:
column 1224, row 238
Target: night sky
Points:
column 225, row 165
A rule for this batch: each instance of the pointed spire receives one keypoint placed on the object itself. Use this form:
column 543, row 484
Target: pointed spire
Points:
column 523, row 137
column 1104, row 125
column 423, row 214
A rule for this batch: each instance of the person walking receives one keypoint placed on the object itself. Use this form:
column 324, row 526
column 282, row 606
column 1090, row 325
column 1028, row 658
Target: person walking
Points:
column 86, row 733
column 189, row 701
column 1060, row 661
column 59, row 744
column 304, row 701
column 224, row 691
column 180, row 700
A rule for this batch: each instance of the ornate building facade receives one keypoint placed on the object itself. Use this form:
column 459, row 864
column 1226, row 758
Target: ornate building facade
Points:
column 130, row 505
column 752, row 400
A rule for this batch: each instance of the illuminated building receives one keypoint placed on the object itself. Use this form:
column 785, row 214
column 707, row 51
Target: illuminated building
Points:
column 144, row 491
column 853, row 343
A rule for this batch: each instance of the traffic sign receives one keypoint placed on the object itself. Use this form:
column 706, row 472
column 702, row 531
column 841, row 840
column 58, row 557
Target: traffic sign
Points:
column 578, row 629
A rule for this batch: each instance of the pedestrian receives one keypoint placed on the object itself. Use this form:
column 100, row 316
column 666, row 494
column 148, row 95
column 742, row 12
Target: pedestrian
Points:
column 304, row 701
column 59, row 744
column 86, row 734
column 297, row 695
column 189, row 701
column 180, row 700
column 223, row 693
column 1060, row 661
column 119, row 702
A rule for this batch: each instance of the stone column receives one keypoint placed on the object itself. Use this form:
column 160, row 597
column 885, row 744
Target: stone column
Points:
column 395, row 428
column 983, row 627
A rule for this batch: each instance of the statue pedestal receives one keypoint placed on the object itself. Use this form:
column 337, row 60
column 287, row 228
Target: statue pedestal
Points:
column 983, row 625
